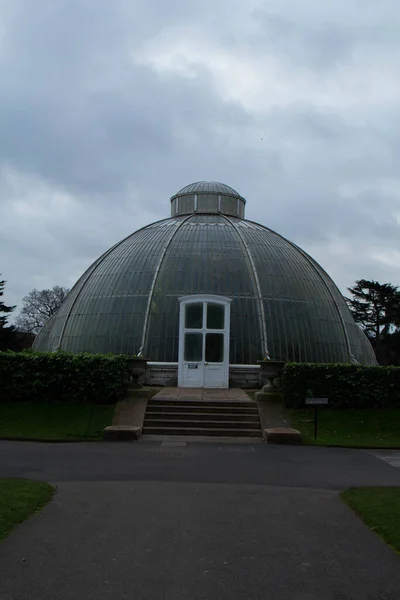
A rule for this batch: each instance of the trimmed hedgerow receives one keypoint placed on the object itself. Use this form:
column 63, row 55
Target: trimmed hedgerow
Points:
column 62, row 377
column 346, row 386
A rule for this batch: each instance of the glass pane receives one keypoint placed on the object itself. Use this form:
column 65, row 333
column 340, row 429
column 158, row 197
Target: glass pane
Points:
column 194, row 316
column 215, row 316
column 214, row 347
column 193, row 346
column 228, row 205
column 186, row 204
column 206, row 257
column 207, row 203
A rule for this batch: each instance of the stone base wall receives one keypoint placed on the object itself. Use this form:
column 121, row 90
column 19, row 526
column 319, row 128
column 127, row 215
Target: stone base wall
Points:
column 161, row 374
column 245, row 376
column 166, row 374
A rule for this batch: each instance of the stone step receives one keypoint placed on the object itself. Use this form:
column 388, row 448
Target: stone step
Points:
column 199, row 406
column 202, row 431
column 165, row 415
column 209, row 424
column 193, row 416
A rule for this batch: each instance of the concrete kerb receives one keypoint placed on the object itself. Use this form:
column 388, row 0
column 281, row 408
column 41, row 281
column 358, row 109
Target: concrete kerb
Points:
column 121, row 432
column 267, row 397
column 282, row 435
column 129, row 416
column 274, row 418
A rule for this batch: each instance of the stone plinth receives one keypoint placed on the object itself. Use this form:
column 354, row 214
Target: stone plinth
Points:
column 121, row 432
column 272, row 396
column 282, row 435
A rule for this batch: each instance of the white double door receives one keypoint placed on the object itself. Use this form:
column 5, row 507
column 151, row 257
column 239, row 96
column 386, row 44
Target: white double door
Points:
column 204, row 341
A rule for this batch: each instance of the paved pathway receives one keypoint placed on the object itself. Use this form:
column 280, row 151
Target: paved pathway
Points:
column 198, row 522
column 392, row 457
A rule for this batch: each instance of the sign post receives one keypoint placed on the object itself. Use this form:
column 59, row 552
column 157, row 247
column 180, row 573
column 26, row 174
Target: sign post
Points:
column 316, row 402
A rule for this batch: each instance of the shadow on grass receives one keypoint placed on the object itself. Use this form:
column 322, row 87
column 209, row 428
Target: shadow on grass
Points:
column 364, row 428
column 19, row 499
column 53, row 421
column 379, row 508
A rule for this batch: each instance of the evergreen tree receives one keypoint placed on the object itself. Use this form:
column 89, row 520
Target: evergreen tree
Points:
column 4, row 309
column 8, row 335
column 376, row 307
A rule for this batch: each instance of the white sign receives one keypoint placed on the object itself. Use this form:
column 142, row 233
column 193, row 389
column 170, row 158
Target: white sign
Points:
column 316, row 401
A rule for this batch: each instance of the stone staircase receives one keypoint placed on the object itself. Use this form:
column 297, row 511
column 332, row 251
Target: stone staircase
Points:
column 198, row 417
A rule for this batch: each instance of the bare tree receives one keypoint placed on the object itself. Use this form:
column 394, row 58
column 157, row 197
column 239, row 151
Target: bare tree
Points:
column 38, row 306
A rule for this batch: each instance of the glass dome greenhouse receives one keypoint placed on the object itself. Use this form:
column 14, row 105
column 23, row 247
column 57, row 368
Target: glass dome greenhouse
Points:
column 158, row 292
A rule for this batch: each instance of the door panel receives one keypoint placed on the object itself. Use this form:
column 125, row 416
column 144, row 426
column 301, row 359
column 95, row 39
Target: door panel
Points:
column 193, row 356
column 215, row 347
column 204, row 343
column 194, row 316
column 193, row 375
column 214, row 376
column 214, row 367
column 215, row 316
column 193, row 347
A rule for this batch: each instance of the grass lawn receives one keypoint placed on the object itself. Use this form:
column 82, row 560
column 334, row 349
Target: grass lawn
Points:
column 48, row 421
column 19, row 499
column 368, row 428
column 379, row 508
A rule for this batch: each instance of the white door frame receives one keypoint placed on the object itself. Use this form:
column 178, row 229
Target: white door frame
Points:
column 182, row 364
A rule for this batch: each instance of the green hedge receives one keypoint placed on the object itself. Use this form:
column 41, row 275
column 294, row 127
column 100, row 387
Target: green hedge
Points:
column 62, row 377
column 346, row 386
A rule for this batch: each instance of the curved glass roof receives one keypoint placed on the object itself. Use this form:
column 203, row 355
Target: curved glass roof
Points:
column 208, row 197
column 283, row 302
column 208, row 187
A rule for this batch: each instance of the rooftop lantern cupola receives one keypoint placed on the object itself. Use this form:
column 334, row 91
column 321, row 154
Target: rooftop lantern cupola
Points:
column 208, row 197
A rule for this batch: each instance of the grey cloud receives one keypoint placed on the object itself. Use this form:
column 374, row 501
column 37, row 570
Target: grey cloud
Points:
column 78, row 112
column 102, row 139
column 319, row 47
column 325, row 36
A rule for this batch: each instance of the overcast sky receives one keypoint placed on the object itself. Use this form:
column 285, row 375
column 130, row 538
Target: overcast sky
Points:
column 108, row 107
